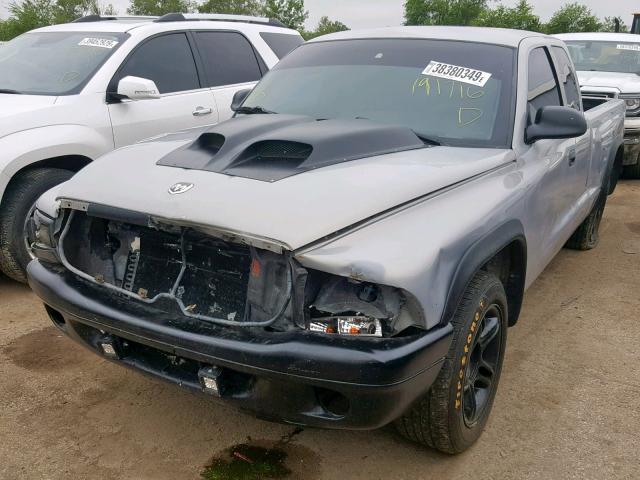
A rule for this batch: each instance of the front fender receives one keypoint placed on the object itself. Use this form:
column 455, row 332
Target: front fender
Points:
column 431, row 249
column 24, row 148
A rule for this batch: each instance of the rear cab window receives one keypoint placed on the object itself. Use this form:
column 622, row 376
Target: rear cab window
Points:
column 281, row 43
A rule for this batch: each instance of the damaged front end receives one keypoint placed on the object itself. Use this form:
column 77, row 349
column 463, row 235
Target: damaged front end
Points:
column 205, row 275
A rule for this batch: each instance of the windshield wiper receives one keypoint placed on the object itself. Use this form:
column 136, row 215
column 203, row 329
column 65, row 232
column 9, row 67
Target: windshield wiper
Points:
column 254, row 110
column 427, row 140
column 10, row 92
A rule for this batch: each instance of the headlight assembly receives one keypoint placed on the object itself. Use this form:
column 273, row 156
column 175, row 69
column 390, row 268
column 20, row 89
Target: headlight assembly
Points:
column 632, row 103
column 346, row 307
column 43, row 244
column 347, row 325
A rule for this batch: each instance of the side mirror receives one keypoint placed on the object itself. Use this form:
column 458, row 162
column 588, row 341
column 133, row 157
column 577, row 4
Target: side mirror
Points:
column 239, row 97
column 136, row 88
column 556, row 122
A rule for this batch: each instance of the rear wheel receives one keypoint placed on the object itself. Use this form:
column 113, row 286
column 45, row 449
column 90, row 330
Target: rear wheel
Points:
column 453, row 414
column 587, row 234
column 17, row 206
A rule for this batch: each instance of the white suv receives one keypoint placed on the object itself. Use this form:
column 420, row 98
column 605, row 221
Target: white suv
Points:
column 71, row 93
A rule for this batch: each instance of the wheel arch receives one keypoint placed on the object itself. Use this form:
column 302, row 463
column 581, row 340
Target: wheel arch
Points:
column 73, row 163
column 503, row 251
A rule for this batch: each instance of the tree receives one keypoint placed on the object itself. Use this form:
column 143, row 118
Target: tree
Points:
column 26, row 16
column 238, row 7
column 159, row 7
column 29, row 14
column 573, row 17
column 68, row 10
column 609, row 25
column 520, row 17
column 289, row 12
column 443, row 12
column 325, row 26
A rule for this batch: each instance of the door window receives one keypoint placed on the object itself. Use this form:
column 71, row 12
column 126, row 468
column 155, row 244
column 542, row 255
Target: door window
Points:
column 167, row 60
column 567, row 78
column 543, row 86
column 228, row 58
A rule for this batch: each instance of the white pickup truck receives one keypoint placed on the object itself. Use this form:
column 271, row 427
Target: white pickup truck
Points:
column 71, row 93
column 608, row 66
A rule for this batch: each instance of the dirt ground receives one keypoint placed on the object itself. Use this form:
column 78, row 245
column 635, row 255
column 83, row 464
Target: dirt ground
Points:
column 567, row 406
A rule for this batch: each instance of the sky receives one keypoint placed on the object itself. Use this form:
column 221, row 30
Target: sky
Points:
column 380, row 13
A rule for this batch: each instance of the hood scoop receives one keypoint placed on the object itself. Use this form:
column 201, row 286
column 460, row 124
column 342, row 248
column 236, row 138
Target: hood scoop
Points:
column 273, row 147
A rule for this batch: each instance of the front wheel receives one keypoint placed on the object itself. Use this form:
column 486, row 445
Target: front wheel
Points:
column 453, row 414
column 17, row 206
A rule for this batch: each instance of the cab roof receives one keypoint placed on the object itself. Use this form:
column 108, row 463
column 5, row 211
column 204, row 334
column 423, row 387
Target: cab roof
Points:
column 497, row 36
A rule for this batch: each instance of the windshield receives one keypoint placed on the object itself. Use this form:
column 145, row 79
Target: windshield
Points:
column 623, row 57
column 456, row 93
column 54, row 63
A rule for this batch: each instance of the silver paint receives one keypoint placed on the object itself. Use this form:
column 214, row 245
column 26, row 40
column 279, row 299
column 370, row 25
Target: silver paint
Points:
column 464, row 194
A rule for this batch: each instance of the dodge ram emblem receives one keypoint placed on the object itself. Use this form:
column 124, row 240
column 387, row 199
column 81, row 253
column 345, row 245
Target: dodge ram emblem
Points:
column 180, row 188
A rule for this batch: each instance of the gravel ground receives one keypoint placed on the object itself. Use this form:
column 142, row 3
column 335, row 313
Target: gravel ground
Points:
column 567, row 406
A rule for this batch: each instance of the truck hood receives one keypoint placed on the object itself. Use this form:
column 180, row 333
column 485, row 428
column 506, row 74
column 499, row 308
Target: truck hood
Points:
column 623, row 82
column 20, row 112
column 295, row 209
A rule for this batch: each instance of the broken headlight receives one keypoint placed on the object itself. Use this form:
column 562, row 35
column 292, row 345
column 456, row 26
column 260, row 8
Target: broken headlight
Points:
column 347, row 325
column 344, row 306
column 40, row 236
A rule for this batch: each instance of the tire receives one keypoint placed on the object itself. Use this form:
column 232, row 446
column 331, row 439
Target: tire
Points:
column 587, row 234
column 444, row 419
column 631, row 172
column 19, row 199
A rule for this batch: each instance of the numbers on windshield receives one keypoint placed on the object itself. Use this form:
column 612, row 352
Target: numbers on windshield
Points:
column 451, row 89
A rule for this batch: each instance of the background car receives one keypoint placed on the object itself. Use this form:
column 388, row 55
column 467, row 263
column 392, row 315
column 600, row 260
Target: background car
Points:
column 608, row 66
column 71, row 93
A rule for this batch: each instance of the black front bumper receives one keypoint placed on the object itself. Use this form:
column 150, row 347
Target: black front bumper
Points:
column 300, row 377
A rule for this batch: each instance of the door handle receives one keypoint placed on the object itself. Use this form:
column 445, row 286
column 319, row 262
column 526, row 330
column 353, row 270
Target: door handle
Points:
column 201, row 111
column 572, row 156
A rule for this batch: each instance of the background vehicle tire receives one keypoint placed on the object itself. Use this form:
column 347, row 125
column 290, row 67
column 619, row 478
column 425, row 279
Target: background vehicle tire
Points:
column 453, row 414
column 631, row 172
column 19, row 199
column 587, row 234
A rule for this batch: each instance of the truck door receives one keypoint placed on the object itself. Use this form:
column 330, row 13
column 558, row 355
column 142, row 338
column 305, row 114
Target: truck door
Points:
column 168, row 60
column 556, row 191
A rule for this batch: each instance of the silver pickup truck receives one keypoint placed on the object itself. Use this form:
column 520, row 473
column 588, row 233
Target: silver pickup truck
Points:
column 350, row 249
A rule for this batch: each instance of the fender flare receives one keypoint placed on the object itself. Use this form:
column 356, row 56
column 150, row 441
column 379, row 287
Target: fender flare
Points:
column 477, row 255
